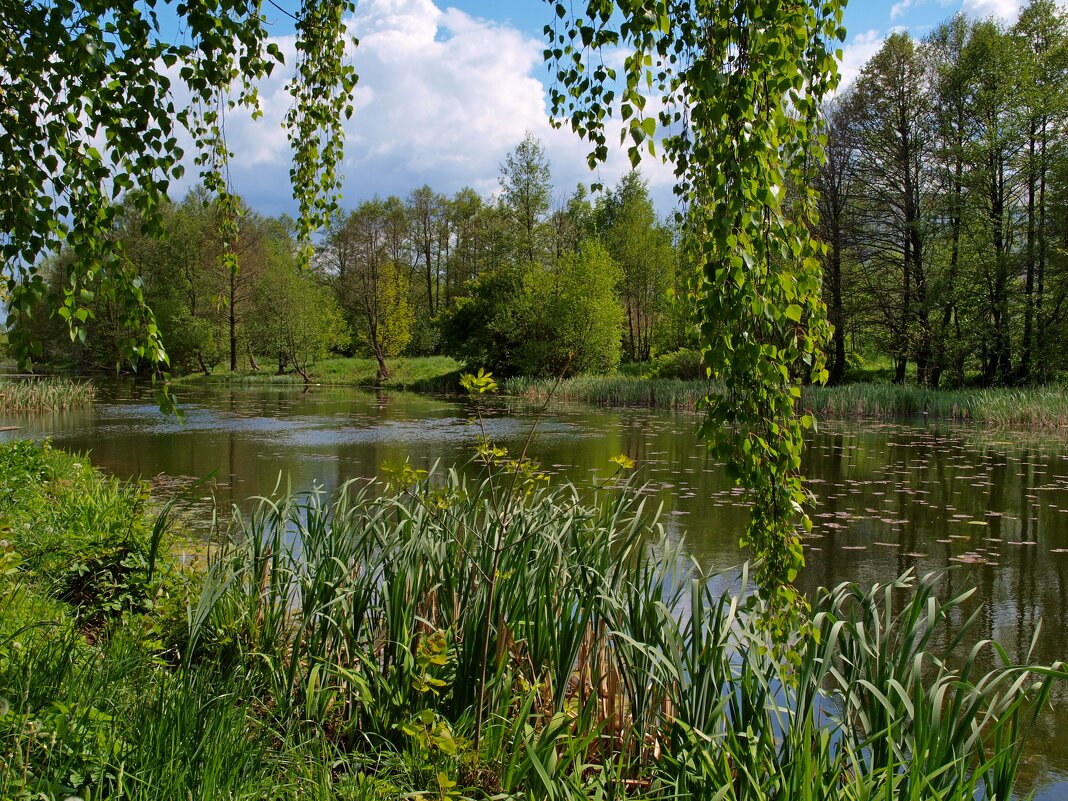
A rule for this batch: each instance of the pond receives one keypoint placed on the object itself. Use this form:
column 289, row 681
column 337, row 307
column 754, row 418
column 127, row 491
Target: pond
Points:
column 990, row 508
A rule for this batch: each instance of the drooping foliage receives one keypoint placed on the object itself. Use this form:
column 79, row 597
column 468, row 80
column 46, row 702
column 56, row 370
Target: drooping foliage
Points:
column 731, row 92
column 96, row 95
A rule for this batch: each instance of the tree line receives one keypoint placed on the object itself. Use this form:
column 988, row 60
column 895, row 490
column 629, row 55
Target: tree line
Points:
column 528, row 282
column 943, row 204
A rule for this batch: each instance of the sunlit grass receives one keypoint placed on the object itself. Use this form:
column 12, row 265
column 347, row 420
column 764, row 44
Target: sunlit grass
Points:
column 44, row 394
column 1037, row 408
column 352, row 647
column 613, row 391
column 426, row 373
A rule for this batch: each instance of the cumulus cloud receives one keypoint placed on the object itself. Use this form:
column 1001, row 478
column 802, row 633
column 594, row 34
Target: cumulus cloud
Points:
column 1006, row 10
column 900, row 8
column 443, row 97
column 856, row 54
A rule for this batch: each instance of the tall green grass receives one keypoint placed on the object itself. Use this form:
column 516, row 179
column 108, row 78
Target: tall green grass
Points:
column 614, row 666
column 493, row 637
column 613, row 391
column 422, row 373
column 1037, row 408
column 44, row 394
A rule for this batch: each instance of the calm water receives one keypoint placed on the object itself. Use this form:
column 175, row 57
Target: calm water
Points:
column 991, row 506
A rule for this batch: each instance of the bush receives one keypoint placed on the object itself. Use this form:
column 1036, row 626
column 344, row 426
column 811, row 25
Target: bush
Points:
column 536, row 321
column 684, row 365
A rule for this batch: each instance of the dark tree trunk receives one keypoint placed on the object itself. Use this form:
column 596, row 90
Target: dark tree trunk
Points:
column 837, row 312
column 233, row 321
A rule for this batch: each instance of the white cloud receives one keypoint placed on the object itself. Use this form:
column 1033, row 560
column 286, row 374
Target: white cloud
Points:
column 442, row 98
column 856, row 54
column 1007, row 10
column 900, row 8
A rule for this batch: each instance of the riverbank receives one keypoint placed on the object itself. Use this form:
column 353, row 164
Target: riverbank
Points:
column 415, row 373
column 124, row 675
column 33, row 394
column 1038, row 408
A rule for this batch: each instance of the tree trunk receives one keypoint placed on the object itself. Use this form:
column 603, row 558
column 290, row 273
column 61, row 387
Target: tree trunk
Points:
column 899, row 369
column 1029, row 279
column 837, row 371
column 383, row 368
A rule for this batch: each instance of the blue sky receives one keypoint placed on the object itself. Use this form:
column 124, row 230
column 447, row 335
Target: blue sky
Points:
column 449, row 87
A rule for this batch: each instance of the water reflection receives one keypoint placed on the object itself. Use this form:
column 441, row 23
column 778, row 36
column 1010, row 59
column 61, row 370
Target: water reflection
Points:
column 990, row 509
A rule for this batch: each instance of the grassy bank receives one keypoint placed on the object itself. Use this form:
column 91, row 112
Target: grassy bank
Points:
column 45, row 394
column 1037, row 408
column 418, row 373
column 448, row 639
column 613, row 390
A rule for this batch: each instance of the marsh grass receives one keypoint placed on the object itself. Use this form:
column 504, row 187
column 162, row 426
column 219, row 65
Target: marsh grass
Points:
column 44, row 394
column 343, row 647
column 614, row 667
column 1035, row 408
column 614, row 391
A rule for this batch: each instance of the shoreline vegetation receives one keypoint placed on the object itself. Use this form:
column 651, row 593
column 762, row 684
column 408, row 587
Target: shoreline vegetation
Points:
column 336, row 647
column 1023, row 408
column 44, row 394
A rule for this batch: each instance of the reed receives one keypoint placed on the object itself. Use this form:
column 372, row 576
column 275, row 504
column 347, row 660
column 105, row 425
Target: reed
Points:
column 613, row 391
column 612, row 662
column 1033, row 408
column 421, row 373
column 44, row 394
column 353, row 647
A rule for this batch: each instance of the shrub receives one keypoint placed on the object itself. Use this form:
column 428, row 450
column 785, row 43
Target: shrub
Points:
column 685, row 365
column 538, row 320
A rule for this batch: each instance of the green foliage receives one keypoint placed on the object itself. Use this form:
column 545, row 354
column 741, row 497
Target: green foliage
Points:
column 364, row 266
column 202, row 307
column 642, row 248
column 91, row 115
column 941, row 202
column 749, row 80
column 340, row 649
column 526, row 193
column 543, row 319
column 84, row 539
column 686, row 365
column 575, row 316
column 299, row 320
column 487, row 327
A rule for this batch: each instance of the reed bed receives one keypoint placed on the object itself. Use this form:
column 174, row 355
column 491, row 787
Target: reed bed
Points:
column 613, row 391
column 44, row 394
column 445, row 637
column 556, row 645
column 1037, row 408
